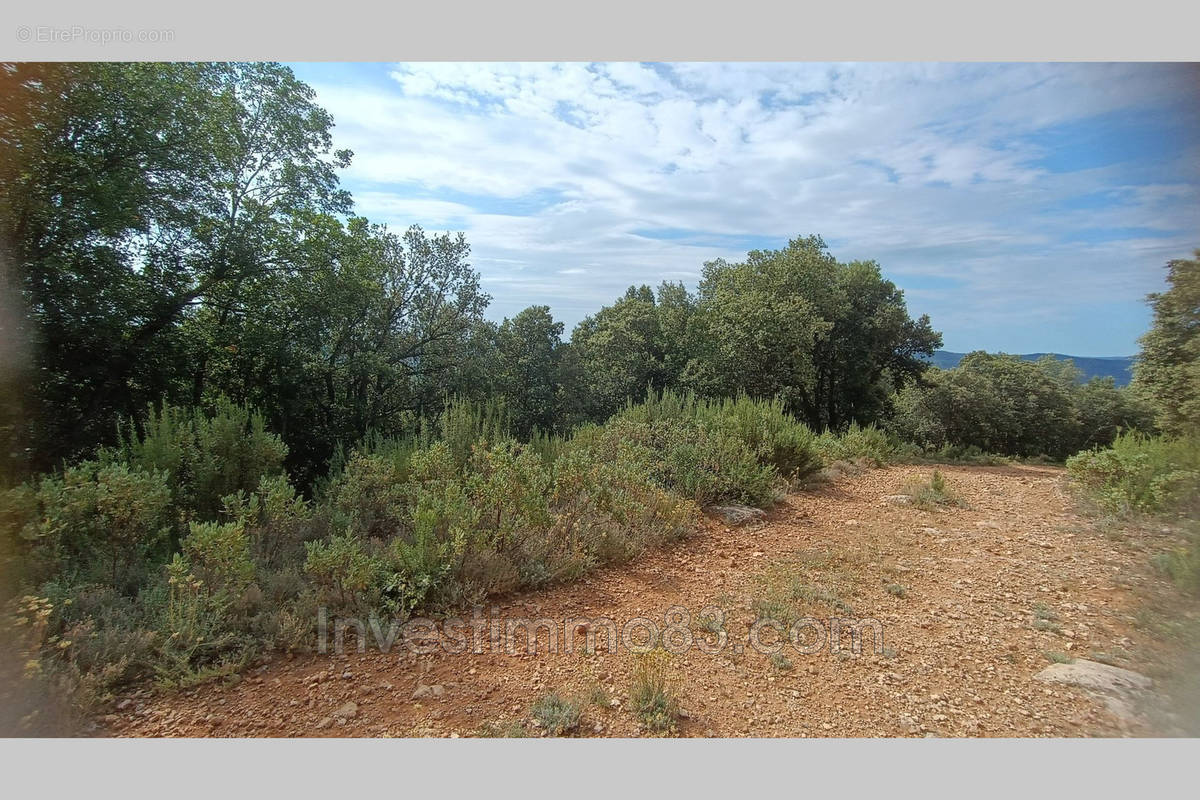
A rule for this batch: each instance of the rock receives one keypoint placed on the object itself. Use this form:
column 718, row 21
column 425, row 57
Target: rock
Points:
column 325, row 723
column 1095, row 676
column 898, row 500
column 348, row 711
column 735, row 514
column 1119, row 689
column 423, row 691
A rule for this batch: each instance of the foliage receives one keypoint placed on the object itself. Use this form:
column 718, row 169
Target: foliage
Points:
column 651, row 696
column 832, row 340
column 1005, row 405
column 529, row 347
column 205, row 456
column 556, row 714
column 930, row 493
column 134, row 195
column 715, row 450
column 94, row 520
column 1168, row 368
column 861, row 443
column 1141, row 473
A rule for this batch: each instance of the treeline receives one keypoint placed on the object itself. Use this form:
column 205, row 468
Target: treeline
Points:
column 177, row 234
column 996, row 403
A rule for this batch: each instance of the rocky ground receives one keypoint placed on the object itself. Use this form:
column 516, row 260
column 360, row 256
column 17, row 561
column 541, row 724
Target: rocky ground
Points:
column 975, row 602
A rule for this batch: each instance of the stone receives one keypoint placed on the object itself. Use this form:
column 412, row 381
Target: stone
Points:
column 423, row 691
column 1119, row 689
column 347, row 711
column 898, row 500
column 325, row 723
column 736, row 514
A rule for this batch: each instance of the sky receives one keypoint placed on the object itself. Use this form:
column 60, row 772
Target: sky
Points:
column 1024, row 207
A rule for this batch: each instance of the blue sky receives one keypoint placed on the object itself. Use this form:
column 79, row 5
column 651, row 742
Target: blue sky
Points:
column 1024, row 207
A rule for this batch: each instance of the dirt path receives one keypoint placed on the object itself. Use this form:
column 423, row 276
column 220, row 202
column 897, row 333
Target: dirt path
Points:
column 958, row 594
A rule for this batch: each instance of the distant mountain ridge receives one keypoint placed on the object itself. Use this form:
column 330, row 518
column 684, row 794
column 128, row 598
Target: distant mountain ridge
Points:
column 1119, row 368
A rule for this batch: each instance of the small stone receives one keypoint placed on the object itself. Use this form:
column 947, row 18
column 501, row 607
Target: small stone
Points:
column 347, row 711
column 325, row 723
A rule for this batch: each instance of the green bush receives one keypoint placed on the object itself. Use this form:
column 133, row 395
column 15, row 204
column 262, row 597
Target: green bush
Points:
column 1005, row 405
column 96, row 521
column 207, row 456
column 341, row 564
column 372, row 494
column 773, row 436
column 219, row 556
column 862, row 443
column 1141, row 473
column 276, row 519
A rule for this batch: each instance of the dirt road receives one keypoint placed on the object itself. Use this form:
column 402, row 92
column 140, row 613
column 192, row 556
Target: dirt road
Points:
column 972, row 603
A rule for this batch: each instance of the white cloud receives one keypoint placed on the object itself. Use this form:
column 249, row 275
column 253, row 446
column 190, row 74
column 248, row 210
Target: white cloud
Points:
column 931, row 169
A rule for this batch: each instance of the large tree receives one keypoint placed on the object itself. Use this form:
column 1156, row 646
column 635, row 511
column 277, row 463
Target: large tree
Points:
column 135, row 195
column 832, row 339
column 529, row 347
column 1168, row 368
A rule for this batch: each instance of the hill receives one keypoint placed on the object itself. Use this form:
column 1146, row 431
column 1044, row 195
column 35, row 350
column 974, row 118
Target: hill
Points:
column 1119, row 368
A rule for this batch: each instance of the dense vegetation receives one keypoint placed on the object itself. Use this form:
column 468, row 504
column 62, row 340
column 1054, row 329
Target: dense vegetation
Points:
column 1161, row 474
column 229, row 400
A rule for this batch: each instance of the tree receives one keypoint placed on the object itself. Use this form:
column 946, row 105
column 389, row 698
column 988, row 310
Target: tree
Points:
column 375, row 334
column 618, row 353
column 1168, row 369
column 1003, row 404
column 136, row 195
column 527, row 374
column 833, row 340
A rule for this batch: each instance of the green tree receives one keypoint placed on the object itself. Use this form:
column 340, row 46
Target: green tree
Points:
column 833, row 340
column 618, row 353
column 134, row 196
column 528, row 349
column 1168, row 369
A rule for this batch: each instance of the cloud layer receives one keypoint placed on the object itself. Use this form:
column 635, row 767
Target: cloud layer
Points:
column 1024, row 207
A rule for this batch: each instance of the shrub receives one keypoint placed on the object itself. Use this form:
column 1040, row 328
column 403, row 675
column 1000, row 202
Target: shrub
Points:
column 771, row 435
column 861, row 443
column 684, row 454
column 219, row 556
column 342, row 564
column 372, row 495
column 100, row 521
column 1140, row 473
column 930, row 493
column 202, row 634
column 652, row 698
column 1005, row 405
column 276, row 519
column 207, row 456
column 556, row 714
